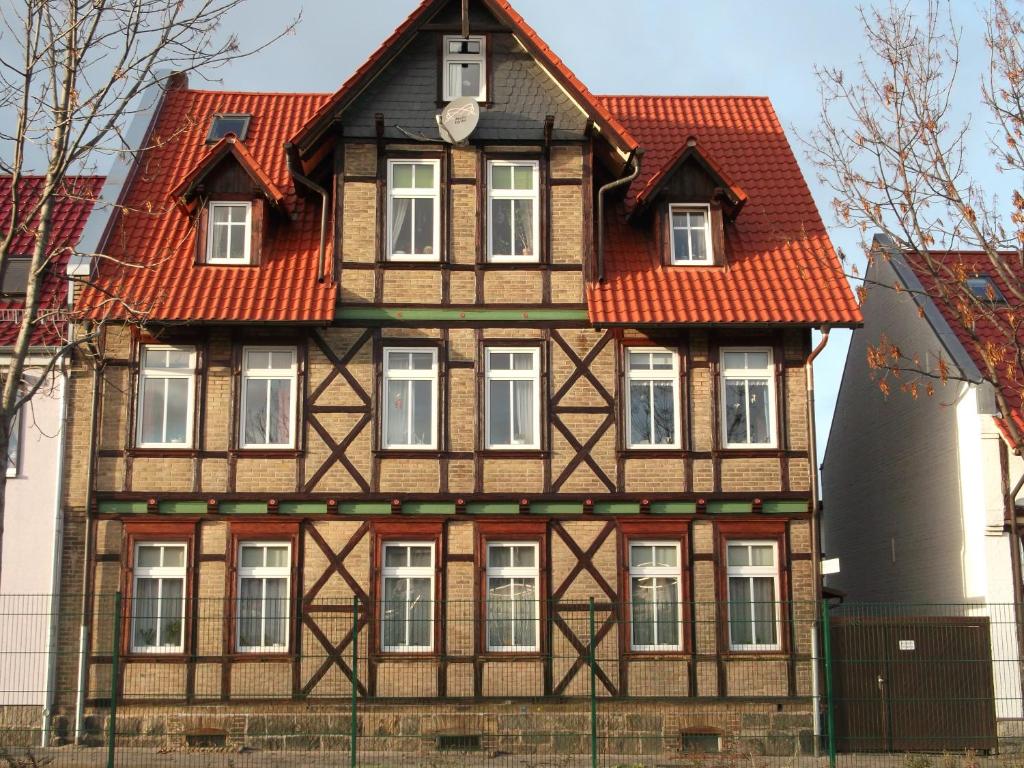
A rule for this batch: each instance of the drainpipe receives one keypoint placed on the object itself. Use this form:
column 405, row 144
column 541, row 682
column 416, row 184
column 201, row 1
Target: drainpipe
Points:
column 813, row 452
column 635, row 157
column 83, row 632
column 58, row 545
column 294, row 168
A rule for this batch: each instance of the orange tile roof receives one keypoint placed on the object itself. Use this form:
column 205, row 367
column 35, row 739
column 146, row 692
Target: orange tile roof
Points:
column 70, row 212
column 781, row 267
column 967, row 323
column 504, row 11
column 152, row 232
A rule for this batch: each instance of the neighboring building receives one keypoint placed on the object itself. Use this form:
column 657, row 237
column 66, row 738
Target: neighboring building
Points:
column 33, row 519
column 917, row 491
column 431, row 378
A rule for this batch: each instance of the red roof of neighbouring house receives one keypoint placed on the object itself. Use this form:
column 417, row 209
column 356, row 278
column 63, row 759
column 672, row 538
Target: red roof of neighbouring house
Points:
column 780, row 268
column 159, row 236
column 70, row 212
column 973, row 329
column 605, row 118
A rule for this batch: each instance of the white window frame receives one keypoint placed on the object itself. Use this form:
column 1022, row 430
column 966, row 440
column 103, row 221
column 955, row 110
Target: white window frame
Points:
column 651, row 376
column 166, row 374
column 513, row 194
column 747, row 374
column 709, row 244
column 533, row 375
column 752, row 572
column 654, row 571
column 247, row 253
column 465, row 58
column 410, row 375
column 433, row 193
column 162, row 573
column 270, row 373
column 264, row 572
column 14, row 445
column 514, row 572
column 408, row 572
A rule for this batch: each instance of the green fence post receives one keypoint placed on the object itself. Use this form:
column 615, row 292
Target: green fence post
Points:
column 114, row 674
column 593, row 691
column 353, row 724
column 826, row 644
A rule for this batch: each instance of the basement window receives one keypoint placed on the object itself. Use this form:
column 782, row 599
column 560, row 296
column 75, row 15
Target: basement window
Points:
column 464, row 67
column 984, row 289
column 701, row 742
column 222, row 125
column 458, row 743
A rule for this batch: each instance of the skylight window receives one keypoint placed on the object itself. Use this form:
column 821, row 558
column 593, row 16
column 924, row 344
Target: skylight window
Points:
column 984, row 289
column 222, row 125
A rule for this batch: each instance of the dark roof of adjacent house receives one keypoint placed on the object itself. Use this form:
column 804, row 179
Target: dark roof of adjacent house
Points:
column 780, row 266
column 169, row 286
column 72, row 206
column 976, row 333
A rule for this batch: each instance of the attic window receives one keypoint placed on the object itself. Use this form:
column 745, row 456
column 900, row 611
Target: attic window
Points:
column 222, row 125
column 691, row 234
column 984, row 289
column 464, row 67
column 15, row 276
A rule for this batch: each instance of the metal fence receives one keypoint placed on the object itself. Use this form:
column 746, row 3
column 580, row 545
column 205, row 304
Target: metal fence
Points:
column 252, row 680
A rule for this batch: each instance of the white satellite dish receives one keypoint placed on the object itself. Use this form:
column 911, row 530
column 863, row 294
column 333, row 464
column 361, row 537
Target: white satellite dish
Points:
column 458, row 120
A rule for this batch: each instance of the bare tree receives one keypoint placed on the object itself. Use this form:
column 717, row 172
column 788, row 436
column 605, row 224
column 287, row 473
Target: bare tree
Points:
column 72, row 88
column 895, row 157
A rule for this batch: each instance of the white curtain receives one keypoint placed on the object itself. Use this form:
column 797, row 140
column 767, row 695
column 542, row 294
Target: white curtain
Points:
column 400, row 207
column 146, row 609
column 522, row 412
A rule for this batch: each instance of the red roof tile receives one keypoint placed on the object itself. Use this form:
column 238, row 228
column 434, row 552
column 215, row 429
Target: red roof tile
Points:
column 781, row 267
column 607, row 121
column 153, row 232
column 70, row 212
column 963, row 318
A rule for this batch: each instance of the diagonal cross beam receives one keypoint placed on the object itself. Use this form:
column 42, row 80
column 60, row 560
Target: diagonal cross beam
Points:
column 584, row 652
column 584, row 560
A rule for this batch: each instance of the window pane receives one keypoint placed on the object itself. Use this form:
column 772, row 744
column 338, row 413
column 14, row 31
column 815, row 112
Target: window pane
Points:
column 501, row 227
column 764, row 611
column 667, row 597
column 643, row 611
column 281, row 361
column 500, row 361
column 277, row 557
column 236, row 247
column 422, row 361
column 762, row 555
column 664, row 413
column 424, row 176
column 145, row 609
column 698, row 245
column 525, row 609
column 424, row 225
column 499, row 612
column 257, row 359
column 419, row 557
column 148, row 557
column 522, row 177
column 174, row 557
column 250, row 612
column 393, row 612
column 696, row 219
column 681, row 243
column 401, row 175
column 499, row 557
column 736, row 411
column 154, row 358
column 397, row 421
column 177, row 410
column 221, row 214
column 501, row 176
column 178, row 358
column 256, row 411
column 665, row 556
column 639, row 413
column 422, row 418
column 641, row 556
column 276, row 629
column 739, row 555
column 522, row 412
column 280, row 405
column 735, row 360
column 523, row 557
column 396, row 557
column 170, row 613
column 152, row 429
column 401, row 226
column 758, row 410
column 757, row 360
column 524, row 227
column 740, row 627
column 252, row 557
column 469, row 79
column 661, row 361
column 639, row 361
column 522, row 361
column 499, row 402
column 419, row 612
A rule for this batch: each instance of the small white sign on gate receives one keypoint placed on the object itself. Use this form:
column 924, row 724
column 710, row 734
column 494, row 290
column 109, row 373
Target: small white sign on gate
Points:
column 907, row 645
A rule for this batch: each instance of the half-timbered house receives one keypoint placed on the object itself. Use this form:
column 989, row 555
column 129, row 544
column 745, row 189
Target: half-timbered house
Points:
column 454, row 399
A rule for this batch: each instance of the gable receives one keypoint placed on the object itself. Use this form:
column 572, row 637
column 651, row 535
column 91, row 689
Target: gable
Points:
column 520, row 92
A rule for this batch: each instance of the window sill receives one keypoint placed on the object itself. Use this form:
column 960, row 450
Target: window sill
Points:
column 761, row 450
column 513, row 453
column 159, row 452
column 669, row 653
column 267, row 453
column 260, row 656
column 669, row 452
column 409, row 453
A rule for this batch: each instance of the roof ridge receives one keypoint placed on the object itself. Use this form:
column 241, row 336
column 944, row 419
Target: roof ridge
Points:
column 231, row 92
column 682, row 96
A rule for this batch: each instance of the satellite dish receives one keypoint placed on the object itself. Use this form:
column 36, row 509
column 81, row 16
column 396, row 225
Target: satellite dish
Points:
column 458, row 120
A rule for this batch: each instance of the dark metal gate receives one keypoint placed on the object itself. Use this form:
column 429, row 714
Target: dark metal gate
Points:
column 912, row 684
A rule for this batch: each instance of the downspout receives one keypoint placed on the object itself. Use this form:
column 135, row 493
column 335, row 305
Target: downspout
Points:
column 635, row 157
column 83, row 633
column 813, row 454
column 294, row 167
column 58, row 546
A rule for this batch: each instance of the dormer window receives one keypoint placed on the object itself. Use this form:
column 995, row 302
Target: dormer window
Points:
column 691, row 234
column 230, row 233
column 984, row 289
column 464, row 69
column 222, row 125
